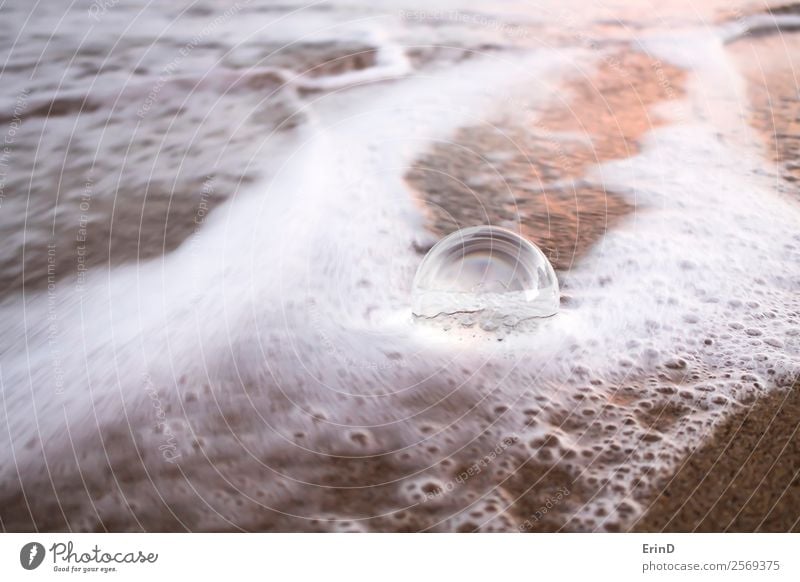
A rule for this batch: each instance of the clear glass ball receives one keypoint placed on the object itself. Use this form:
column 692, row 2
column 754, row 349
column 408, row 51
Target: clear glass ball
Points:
column 486, row 271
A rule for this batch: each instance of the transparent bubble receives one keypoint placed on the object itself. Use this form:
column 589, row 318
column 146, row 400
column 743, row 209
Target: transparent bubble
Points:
column 485, row 274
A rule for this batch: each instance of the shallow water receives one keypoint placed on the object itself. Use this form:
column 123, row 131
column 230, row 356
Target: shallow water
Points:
column 262, row 370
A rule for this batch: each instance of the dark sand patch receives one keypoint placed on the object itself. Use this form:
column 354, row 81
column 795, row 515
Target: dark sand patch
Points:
column 313, row 59
column 422, row 57
column 546, row 497
column 771, row 66
column 791, row 8
column 746, row 479
column 528, row 175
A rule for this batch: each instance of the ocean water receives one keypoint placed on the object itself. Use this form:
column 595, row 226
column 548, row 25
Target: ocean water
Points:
column 238, row 349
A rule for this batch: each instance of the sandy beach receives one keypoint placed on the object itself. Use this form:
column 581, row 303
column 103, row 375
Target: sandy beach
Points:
column 214, row 217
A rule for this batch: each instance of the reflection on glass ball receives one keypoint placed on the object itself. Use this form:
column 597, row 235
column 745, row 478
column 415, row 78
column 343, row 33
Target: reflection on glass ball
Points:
column 486, row 271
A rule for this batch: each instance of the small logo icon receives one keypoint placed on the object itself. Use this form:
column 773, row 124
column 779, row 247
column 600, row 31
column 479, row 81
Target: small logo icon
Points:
column 31, row 555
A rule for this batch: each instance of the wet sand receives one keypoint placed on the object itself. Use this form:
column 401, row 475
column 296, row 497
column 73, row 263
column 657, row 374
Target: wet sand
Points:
column 529, row 172
column 747, row 478
column 771, row 65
